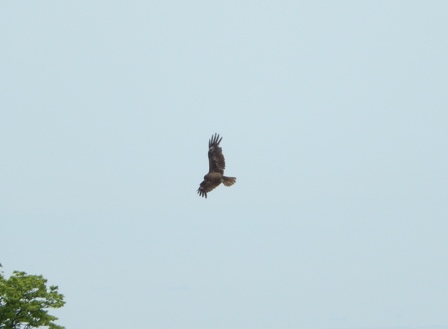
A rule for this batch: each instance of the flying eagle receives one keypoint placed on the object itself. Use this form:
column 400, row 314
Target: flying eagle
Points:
column 217, row 165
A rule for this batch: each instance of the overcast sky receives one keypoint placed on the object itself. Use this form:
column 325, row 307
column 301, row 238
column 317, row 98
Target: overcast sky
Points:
column 334, row 117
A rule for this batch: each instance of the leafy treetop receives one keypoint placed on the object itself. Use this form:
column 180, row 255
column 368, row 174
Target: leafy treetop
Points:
column 25, row 300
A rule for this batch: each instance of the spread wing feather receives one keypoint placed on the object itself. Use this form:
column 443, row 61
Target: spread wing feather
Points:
column 206, row 186
column 215, row 156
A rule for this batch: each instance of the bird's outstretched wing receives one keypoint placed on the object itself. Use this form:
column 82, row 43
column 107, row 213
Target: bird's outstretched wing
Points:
column 206, row 186
column 215, row 156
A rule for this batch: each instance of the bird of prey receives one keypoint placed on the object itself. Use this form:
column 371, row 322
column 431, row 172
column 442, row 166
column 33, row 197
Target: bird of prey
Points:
column 217, row 165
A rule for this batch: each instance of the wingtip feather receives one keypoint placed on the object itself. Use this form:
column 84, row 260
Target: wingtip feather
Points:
column 215, row 139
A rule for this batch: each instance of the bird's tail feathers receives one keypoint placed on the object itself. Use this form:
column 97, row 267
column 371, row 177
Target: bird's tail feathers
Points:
column 228, row 181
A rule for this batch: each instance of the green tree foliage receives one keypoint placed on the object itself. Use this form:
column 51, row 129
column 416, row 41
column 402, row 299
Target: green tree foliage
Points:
column 25, row 300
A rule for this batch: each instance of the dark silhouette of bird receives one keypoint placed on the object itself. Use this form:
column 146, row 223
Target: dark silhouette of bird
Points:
column 217, row 164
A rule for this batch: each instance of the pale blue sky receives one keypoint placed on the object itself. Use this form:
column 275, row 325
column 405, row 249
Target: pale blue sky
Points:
column 334, row 117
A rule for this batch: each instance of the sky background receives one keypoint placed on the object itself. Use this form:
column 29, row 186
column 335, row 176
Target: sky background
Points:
column 334, row 117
